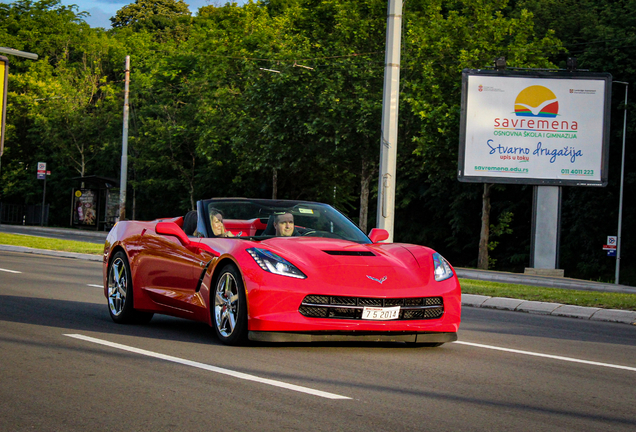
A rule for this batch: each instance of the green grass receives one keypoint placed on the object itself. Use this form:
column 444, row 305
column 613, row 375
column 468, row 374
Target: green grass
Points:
column 494, row 289
column 51, row 244
column 607, row 300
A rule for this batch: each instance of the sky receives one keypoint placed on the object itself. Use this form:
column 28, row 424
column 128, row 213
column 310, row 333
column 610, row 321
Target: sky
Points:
column 102, row 10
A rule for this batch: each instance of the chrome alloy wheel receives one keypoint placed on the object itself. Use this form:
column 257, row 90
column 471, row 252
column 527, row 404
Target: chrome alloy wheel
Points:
column 226, row 304
column 117, row 286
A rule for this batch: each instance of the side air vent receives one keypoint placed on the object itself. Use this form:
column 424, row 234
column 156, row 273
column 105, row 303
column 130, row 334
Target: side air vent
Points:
column 349, row 253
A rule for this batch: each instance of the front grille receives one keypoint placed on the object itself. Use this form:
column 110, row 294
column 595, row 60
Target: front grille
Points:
column 419, row 308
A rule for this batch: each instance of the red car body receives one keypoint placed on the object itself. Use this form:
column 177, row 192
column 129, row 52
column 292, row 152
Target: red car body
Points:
column 176, row 274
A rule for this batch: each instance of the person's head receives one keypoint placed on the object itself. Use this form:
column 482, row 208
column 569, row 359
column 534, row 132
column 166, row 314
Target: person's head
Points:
column 284, row 224
column 216, row 220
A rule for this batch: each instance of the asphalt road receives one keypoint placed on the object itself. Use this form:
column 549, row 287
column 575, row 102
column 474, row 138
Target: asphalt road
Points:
column 65, row 366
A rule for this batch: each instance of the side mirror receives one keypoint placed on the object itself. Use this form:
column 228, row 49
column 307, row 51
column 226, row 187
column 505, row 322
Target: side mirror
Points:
column 378, row 234
column 172, row 229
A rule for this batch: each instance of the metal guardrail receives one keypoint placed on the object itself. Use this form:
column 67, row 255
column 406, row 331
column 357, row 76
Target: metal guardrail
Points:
column 23, row 214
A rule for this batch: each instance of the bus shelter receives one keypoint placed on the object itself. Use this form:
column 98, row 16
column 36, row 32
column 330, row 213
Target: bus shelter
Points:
column 94, row 203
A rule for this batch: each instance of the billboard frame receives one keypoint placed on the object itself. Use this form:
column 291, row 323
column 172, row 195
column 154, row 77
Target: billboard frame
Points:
column 507, row 179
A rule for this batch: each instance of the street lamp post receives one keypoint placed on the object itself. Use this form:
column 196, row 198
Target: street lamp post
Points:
column 390, row 97
column 18, row 53
column 124, row 148
column 3, row 86
column 620, row 199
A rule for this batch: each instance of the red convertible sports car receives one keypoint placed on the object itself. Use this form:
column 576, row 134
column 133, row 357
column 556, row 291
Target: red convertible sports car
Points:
column 280, row 271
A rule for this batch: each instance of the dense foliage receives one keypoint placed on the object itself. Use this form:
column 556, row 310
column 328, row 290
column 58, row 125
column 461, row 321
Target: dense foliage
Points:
column 283, row 98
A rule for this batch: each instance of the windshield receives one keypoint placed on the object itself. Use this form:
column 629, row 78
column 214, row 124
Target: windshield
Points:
column 280, row 218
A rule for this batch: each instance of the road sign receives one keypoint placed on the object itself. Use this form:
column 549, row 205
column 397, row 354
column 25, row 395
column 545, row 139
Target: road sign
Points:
column 611, row 253
column 612, row 242
column 41, row 170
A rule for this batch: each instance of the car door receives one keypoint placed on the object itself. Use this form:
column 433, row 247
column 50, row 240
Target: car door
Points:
column 168, row 273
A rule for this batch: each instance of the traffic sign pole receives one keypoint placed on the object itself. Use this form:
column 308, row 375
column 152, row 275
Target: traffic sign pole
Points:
column 41, row 175
column 43, row 201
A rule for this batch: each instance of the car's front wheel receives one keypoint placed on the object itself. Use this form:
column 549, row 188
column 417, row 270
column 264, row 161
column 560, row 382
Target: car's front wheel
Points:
column 120, row 293
column 230, row 307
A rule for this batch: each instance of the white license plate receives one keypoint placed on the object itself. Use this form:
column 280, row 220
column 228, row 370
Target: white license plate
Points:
column 379, row 313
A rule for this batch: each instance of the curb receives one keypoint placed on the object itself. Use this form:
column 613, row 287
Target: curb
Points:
column 554, row 309
column 61, row 254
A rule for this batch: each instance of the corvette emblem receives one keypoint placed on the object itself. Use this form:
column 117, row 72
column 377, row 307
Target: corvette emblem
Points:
column 377, row 280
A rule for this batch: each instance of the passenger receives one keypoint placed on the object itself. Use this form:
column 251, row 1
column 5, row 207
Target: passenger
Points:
column 216, row 220
column 284, row 224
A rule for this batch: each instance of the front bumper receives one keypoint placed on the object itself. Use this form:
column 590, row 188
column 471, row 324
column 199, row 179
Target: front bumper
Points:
column 423, row 337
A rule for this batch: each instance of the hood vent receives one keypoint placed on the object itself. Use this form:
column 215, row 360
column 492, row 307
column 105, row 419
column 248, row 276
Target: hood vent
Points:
column 349, row 253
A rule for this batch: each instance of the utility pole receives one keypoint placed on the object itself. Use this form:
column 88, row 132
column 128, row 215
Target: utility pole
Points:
column 390, row 99
column 124, row 148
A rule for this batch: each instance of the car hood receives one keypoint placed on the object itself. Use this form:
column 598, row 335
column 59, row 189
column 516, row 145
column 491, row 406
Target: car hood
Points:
column 337, row 262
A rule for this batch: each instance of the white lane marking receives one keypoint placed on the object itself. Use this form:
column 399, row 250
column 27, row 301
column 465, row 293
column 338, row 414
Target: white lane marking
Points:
column 10, row 271
column 229, row 372
column 96, row 286
column 554, row 357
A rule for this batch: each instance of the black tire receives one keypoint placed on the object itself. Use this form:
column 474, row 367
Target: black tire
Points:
column 120, row 293
column 229, row 307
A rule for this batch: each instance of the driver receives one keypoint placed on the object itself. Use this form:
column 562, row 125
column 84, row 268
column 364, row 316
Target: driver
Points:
column 216, row 220
column 284, row 224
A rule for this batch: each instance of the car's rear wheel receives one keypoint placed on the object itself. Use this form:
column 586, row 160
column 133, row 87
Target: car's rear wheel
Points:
column 230, row 307
column 120, row 293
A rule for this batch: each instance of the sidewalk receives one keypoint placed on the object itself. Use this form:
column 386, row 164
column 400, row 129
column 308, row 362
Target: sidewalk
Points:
column 554, row 309
column 543, row 281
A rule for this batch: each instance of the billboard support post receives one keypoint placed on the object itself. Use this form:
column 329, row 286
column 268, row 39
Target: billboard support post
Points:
column 546, row 227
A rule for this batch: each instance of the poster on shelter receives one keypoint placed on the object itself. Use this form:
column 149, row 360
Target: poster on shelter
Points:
column 534, row 129
column 85, row 207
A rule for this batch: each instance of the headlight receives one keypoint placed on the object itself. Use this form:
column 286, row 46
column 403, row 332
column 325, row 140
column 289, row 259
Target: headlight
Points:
column 441, row 268
column 272, row 263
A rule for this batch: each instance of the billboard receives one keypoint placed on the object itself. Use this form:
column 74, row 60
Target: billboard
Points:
column 4, row 73
column 541, row 128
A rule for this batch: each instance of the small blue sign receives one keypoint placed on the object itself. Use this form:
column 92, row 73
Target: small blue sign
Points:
column 611, row 253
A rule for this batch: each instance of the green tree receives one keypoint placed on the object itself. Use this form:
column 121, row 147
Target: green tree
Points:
column 441, row 40
column 600, row 35
column 153, row 13
column 167, row 20
column 59, row 106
